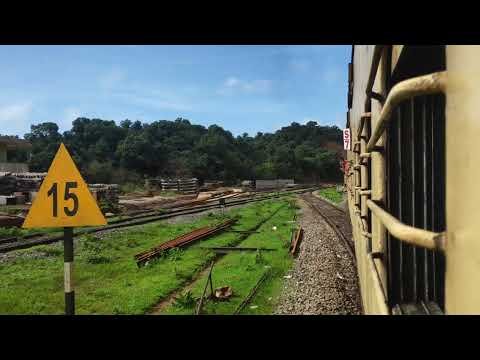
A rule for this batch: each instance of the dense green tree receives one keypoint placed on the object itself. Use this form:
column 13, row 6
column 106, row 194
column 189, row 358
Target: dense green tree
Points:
column 106, row 152
column 45, row 140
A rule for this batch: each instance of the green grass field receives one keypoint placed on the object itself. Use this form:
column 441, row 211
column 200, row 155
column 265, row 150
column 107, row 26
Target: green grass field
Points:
column 242, row 270
column 108, row 281
column 19, row 232
column 331, row 194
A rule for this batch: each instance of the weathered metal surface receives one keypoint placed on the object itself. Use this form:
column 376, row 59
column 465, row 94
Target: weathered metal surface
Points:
column 198, row 310
column 252, row 292
column 376, row 56
column 421, row 85
column 462, row 293
column 8, row 240
column 370, row 182
column 409, row 234
column 377, row 183
column 182, row 240
column 396, row 53
column 13, row 167
column 297, row 238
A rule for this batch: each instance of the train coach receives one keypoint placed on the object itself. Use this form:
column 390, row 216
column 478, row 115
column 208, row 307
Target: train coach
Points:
column 413, row 174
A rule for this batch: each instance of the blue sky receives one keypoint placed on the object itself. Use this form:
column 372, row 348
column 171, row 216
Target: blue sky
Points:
column 241, row 88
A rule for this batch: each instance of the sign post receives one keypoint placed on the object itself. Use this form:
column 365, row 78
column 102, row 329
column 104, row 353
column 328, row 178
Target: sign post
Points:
column 222, row 205
column 68, row 270
column 346, row 139
column 64, row 201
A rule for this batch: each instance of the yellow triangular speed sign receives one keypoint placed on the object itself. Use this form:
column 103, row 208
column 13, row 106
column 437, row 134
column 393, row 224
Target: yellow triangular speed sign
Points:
column 64, row 199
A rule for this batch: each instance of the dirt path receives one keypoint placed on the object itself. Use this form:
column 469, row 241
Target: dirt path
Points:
column 170, row 299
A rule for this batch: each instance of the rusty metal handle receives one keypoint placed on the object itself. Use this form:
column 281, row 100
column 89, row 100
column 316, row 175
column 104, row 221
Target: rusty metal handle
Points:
column 421, row 85
column 377, row 55
column 406, row 233
column 363, row 118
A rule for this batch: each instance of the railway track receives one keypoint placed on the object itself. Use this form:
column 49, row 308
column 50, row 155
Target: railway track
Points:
column 157, row 309
column 336, row 218
column 28, row 241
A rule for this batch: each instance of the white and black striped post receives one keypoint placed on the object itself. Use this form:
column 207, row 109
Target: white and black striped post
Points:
column 68, row 268
column 222, row 205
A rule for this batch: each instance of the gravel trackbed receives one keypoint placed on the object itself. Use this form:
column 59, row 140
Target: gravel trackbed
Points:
column 323, row 280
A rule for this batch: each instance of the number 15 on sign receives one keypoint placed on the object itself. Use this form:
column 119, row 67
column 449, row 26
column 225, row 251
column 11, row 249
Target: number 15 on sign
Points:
column 64, row 200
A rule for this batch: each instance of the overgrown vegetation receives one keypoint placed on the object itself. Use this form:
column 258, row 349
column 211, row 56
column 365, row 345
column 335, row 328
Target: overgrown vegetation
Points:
column 19, row 232
column 331, row 194
column 185, row 301
column 242, row 270
column 108, row 281
column 108, row 153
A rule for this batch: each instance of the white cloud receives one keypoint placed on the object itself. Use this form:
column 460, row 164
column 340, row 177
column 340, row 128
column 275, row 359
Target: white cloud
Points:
column 341, row 120
column 299, row 65
column 232, row 81
column 15, row 113
column 154, row 99
column 158, row 103
column 338, row 119
column 71, row 114
column 233, row 84
column 112, row 78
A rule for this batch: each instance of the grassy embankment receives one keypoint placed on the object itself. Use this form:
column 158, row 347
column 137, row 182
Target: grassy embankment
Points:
column 108, row 281
column 331, row 194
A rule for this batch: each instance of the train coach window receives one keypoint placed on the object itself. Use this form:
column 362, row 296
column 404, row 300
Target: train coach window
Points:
column 416, row 187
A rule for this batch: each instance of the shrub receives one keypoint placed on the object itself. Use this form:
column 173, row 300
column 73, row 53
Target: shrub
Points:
column 108, row 206
column 186, row 301
column 132, row 243
column 94, row 251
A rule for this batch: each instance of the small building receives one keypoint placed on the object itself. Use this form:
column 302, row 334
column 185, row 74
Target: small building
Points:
column 11, row 143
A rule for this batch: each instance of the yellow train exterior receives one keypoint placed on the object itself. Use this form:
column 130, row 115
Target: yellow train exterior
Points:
column 413, row 177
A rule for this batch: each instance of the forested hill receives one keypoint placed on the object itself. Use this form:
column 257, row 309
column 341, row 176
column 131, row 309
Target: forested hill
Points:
column 106, row 152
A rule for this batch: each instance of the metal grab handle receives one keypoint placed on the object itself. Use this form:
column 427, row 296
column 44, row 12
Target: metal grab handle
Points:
column 421, row 85
column 377, row 55
column 363, row 118
column 406, row 233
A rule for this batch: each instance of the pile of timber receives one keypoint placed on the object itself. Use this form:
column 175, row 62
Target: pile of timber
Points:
column 33, row 176
column 211, row 185
column 182, row 240
column 8, row 184
column 19, row 188
column 10, row 220
column 105, row 192
column 20, row 182
column 184, row 186
column 188, row 186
